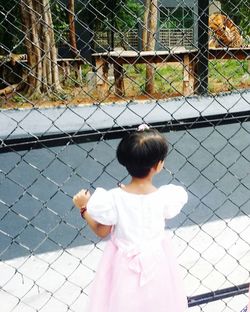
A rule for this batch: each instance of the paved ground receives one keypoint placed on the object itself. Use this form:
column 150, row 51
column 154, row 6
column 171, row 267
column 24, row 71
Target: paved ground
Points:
column 21, row 123
column 48, row 255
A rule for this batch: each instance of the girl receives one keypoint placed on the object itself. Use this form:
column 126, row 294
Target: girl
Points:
column 138, row 271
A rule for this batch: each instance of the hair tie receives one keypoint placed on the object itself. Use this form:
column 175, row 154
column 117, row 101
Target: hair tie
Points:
column 143, row 127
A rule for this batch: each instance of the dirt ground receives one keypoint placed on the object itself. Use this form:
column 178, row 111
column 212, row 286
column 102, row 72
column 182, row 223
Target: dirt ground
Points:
column 77, row 96
column 81, row 94
column 14, row 101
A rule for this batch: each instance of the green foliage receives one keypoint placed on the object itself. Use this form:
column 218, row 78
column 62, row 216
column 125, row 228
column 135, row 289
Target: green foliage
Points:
column 102, row 16
column 97, row 14
column 18, row 99
column 173, row 18
column 228, row 75
column 224, row 75
column 11, row 34
column 60, row 22
column 230, row 69
column 168, row 79
column 128, row 15
column 239, row 11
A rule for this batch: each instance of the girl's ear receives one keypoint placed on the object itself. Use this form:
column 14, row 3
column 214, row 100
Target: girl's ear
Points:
column 159, row 166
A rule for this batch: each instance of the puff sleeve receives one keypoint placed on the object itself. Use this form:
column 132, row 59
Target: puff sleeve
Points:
column 174, row 198
column 101, row 207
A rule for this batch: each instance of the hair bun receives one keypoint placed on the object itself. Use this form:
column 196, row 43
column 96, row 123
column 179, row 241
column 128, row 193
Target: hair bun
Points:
column 143, row 127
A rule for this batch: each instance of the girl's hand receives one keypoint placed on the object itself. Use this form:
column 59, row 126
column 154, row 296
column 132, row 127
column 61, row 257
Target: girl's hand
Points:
column 81, row 198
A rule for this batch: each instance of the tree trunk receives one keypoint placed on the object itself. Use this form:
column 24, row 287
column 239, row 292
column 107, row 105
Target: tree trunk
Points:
column 72, row 28
column 151, row 42
column 145, row 25
column 43, row 74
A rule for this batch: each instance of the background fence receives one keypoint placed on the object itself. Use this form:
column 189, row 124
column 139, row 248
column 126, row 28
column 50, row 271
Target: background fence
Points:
column 74, row 77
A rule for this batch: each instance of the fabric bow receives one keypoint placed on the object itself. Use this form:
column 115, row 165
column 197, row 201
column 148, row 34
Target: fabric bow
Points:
column 143, row 261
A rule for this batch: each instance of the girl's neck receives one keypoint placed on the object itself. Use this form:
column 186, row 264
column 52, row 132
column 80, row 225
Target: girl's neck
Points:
column 140, row 185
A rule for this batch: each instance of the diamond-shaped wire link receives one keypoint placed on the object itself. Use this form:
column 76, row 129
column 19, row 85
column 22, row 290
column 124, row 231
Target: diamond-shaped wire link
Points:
column 60, row 135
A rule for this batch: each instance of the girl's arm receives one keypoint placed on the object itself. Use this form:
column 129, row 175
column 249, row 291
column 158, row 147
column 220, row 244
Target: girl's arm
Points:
column 80, row 200
column 99, row 229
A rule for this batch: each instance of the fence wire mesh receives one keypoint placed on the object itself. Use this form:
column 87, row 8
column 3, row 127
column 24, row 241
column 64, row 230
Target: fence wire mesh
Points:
column 76, row 75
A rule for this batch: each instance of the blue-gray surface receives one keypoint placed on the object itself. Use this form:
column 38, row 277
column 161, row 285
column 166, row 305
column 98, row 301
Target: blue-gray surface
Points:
column 36, row 186
column 35, row 122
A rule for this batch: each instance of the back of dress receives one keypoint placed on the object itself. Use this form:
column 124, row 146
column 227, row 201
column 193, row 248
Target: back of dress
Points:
column 138, row 270
column 137, row 218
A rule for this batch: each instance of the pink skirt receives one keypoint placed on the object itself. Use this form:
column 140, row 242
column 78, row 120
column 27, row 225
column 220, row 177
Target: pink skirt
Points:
column 138, row 283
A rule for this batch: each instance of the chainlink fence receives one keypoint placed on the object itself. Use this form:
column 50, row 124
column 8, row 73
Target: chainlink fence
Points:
column 75, row 76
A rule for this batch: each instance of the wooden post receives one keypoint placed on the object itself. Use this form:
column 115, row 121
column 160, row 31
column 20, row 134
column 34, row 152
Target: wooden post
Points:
column 66, row 70
column 102, row 68
column 188, row 74
column 201, row 84
column 151, row 43
column 78, row 71
column 119, row 82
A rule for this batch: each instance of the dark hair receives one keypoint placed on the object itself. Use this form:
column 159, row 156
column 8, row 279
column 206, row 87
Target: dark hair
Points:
column 141, row 150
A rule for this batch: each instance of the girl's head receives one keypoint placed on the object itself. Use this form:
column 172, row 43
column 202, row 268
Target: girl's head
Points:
column 142, row 150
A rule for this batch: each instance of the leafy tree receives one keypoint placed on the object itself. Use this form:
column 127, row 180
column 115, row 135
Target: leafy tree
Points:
column 43, row 75
column 103, row 15
column 149, row 39
column 128, row 13
column 60, row 21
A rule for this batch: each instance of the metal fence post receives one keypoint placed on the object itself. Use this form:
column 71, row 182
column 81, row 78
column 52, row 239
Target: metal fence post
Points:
column 202, row 58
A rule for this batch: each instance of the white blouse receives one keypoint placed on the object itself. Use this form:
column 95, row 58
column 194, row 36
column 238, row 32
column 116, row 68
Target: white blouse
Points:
column 137, row 218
